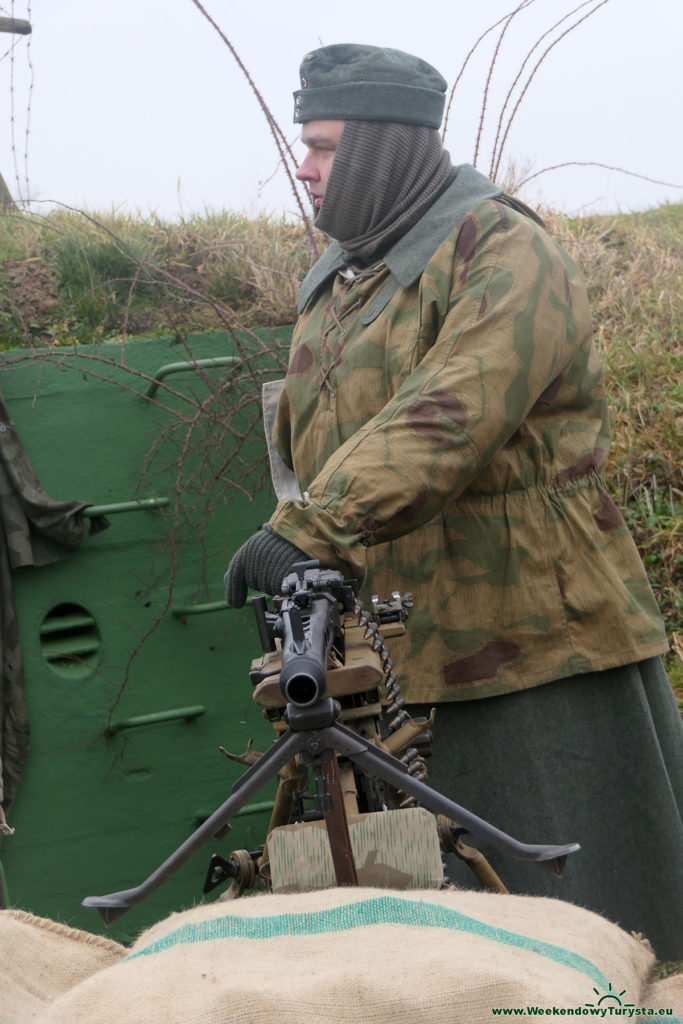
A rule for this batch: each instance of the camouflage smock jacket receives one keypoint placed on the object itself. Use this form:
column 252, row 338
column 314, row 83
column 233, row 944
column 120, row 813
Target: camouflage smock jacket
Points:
column 444, row 413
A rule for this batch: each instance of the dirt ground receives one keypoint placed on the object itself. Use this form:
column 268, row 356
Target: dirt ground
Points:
column 32, row 294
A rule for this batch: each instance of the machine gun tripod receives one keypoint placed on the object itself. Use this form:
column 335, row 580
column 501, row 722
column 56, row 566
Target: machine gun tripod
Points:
column 309, row 624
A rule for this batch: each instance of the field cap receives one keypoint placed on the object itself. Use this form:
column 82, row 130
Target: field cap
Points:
column 351, row 81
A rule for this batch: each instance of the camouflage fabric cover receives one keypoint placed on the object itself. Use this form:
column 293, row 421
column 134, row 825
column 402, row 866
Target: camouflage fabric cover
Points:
column 396, row 849
column 451, row 445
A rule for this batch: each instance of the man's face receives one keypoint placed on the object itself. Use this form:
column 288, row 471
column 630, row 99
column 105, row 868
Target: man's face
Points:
column 321, row 139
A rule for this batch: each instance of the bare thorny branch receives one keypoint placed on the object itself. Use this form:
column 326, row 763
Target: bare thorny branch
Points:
column 203, row 445
column 492, row 65
column 529, row 80
column 498, row 146
column 504, row 125
column 286, row 156
column 593, row 163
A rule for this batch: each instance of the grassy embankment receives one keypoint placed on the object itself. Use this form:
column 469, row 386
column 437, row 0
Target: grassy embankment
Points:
column 66, row 279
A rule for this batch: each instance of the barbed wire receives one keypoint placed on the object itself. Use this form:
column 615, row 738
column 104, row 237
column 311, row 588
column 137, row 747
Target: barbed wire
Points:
column 22, row 185
column 11, row 113
column 28, row 101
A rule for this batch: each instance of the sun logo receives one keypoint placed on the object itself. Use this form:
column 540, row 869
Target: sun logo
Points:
column 610, row 997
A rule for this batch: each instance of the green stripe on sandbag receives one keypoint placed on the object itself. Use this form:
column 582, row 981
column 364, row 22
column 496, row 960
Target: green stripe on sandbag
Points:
column 379, row 910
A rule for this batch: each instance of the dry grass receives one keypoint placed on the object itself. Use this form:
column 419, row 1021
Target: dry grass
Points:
column 109, row 275
column 634, row 271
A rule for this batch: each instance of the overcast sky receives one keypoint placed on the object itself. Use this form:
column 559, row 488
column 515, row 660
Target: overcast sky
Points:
column 139, row 105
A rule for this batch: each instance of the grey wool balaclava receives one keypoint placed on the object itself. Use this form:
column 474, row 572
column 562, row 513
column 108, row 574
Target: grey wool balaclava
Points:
column 389, row 166
column 384, row 176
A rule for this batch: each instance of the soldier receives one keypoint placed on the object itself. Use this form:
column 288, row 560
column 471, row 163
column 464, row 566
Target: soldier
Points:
column 445, row 416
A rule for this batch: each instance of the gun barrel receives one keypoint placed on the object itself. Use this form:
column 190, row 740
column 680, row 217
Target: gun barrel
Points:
column 303, row 681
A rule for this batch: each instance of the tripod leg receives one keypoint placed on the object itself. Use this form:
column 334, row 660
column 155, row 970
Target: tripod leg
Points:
column 114, row 904
column 338, row 827
column 377, row 762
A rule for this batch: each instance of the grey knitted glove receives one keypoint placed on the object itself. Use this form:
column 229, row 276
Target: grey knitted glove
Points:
column 261, row 563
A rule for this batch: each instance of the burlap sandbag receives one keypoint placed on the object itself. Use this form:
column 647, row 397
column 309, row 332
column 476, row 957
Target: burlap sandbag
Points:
column 665, row 1000
column 40, row 960
column 353, row 956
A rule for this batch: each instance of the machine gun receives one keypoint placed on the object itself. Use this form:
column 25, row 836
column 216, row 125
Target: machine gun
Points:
column 326, row 681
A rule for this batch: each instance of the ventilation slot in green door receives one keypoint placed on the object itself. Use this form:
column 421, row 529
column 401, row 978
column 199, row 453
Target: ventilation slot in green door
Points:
column 70, row 641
